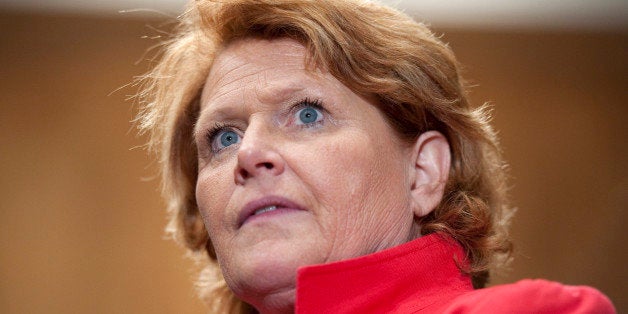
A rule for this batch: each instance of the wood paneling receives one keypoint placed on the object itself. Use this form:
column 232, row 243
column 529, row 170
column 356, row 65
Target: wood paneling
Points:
column 561, row 106
column 82, row 231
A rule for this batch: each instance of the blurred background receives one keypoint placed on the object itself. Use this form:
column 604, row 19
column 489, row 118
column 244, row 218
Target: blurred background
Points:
column 81, row 219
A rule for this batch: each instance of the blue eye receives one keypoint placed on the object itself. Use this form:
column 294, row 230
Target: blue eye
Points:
column 224, row 139
column 309, row 115
column 229, row 138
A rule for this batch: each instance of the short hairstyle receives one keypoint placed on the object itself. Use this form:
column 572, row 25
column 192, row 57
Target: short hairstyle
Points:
column 374, row 50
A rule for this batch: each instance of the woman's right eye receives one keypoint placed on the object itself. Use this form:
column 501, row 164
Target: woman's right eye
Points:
column 223, row 139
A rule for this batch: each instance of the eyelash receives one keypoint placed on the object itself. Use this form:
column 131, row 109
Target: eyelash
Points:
column 308, row 102
column 217, row 127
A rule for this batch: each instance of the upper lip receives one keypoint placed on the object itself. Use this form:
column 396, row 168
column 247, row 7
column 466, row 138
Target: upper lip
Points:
column 249, row 209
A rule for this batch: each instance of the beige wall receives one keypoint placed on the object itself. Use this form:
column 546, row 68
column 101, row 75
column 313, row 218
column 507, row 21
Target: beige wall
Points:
column 81, row 231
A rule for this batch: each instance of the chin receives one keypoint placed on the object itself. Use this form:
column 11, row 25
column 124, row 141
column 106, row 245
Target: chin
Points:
column 266, row 267
column 265, row 257
column 266, row 280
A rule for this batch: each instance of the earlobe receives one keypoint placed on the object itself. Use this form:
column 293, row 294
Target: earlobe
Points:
column 431, row 161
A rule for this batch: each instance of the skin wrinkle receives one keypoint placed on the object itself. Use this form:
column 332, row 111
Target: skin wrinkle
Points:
column 375, row 244
column 349, row 173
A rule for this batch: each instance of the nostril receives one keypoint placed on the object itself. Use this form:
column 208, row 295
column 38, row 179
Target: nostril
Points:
column 244, row 174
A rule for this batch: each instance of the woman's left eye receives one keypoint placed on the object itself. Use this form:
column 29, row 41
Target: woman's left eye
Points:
column 308, row 115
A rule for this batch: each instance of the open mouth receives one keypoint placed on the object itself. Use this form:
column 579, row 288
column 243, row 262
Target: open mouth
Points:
column 265, row 210
column 266, row 205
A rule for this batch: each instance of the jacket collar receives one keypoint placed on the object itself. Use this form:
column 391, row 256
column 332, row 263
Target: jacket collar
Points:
column 407, row 277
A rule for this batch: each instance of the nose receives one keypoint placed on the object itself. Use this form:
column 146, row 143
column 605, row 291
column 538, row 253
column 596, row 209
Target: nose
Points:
column 257, row 156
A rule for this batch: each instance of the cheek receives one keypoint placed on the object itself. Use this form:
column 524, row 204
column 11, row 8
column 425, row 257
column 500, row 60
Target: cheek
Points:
column 342, row 170
column 212, row 196
column 362, row 169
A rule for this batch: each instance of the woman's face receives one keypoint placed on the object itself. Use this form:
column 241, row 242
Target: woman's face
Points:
column 294, row 169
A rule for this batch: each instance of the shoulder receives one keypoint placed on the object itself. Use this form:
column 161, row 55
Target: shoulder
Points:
column 537, row 296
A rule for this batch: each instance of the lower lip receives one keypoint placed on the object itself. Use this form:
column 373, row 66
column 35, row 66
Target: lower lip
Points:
column 272, row 214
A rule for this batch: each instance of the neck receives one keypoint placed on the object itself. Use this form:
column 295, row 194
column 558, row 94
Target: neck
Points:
column 279, row 302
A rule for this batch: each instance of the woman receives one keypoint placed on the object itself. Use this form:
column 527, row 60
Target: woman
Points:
column 325, row 157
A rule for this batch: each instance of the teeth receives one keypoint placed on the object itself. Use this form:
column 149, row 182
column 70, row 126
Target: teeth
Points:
column 265, row 209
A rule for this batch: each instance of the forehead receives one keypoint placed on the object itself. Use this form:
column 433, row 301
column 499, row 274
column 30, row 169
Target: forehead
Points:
column 257, row 62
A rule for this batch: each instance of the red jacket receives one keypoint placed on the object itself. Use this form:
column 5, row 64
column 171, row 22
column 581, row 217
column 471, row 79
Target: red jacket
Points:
column 421, row 276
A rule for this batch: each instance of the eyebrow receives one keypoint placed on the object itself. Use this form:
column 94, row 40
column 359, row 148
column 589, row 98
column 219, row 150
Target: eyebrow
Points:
column 276, row 93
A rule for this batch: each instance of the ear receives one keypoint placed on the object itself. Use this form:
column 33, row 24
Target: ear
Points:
column 431, row 160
